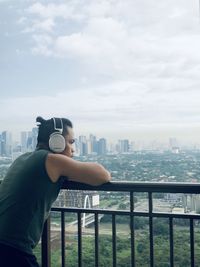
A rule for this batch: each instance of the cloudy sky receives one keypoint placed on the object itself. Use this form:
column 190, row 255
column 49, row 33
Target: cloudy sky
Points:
column 114, row 67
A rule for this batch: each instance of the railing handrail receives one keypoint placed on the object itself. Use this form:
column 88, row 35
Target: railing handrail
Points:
column 127, row 186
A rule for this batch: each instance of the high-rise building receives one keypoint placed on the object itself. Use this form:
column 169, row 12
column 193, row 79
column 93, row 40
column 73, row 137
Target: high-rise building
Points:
column 89, row 147
column 83, row 145
column 102, row 146
column 24, row 138
column 6, row 144
column 123, row 146
column 34, row 137
column 76, row 147
column 94, row 144
column 29, row 141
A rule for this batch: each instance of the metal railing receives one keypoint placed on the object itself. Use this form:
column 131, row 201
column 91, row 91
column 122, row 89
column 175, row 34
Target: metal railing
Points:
column 150, row 214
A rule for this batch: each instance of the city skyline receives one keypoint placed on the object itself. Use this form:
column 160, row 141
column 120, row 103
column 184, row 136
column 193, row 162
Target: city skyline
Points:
column 137, row 137
column 110, row 144
column 130, row 71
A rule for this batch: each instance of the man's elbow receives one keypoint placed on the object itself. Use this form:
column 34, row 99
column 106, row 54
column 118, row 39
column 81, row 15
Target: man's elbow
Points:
column 104, row 177
column 108, row 177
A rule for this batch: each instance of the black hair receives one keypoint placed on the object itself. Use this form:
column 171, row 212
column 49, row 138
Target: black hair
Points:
column 46, row 128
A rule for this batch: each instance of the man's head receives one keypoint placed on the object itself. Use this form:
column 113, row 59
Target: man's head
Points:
column 55, row 134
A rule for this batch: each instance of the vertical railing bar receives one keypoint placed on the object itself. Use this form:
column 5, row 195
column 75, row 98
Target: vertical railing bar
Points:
column 79, row 241
column 63, row 238
column 132, row 204
column 151, row 229
column 96, row 240
column 132, row 229
column 192, row 241
column 46, row 244
column 114, row 240
column 171, row 240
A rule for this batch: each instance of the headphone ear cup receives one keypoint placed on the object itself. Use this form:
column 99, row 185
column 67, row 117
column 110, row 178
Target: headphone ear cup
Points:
column 57, row 143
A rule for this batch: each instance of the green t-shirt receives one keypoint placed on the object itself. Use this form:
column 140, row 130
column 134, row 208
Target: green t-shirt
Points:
column 26, row 197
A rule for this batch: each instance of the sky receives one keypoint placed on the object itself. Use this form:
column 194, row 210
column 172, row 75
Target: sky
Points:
column 117, row 68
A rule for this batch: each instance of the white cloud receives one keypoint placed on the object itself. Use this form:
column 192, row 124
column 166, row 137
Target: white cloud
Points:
column 45, row 25
column 133, row 39
column 54, row 10
column 149, row 49
column 44, row 43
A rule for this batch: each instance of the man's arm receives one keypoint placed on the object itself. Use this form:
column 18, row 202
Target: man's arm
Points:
column 84, row 172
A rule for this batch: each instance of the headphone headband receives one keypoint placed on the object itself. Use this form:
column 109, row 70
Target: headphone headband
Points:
column 55, row 126
column 56, row 140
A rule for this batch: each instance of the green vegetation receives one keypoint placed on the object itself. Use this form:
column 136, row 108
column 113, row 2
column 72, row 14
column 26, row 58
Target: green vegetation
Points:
column 144, row 165
column 152, row 165
column 123, row 245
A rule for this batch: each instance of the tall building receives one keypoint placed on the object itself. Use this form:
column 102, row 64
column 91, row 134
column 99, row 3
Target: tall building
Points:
column 123, row 146
column 89, row 147
column 6, row 144
column 24, row 138
column 77, row 148
column 102, row 146
column 94, row 144
column 34, row 137
column 29, row 141
column 83, row 145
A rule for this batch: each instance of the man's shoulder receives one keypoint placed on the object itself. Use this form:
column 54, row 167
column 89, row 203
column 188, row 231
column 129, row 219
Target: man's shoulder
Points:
column 33, row 155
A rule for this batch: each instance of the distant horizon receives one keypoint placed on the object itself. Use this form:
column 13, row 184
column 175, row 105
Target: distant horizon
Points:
column 183, row 135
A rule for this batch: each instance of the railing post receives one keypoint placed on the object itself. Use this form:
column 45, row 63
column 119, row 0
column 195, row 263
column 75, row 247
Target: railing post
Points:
column 192, row 242
column 79, row 240
column 171, row 240
column 63, row 238
column 96, row 225
column 46, row 244
column 132, row 220
column 114, row 240
column 151, row 229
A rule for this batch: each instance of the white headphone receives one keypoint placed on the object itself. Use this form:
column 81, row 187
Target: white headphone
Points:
column 56, row 140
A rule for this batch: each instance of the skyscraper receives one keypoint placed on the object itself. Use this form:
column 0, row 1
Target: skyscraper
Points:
column 123, row 146
column 102, row 146
column 6, row 148
column 24, row 137
column 94, row 144
column 34, row 137
column 83, row 145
